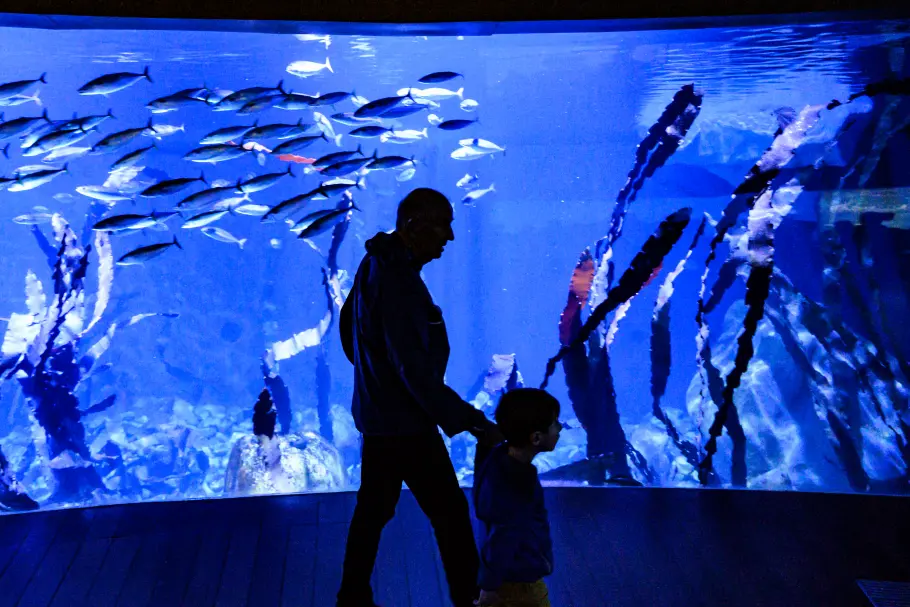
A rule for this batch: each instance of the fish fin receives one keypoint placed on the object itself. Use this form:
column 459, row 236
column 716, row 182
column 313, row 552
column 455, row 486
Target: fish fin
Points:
column 290, row 172
column 178, row 245
column 146, row 74
column 110, row 113
column 201, row 176
column 241, row 242
column 492, row 187
column 361, row 183
column 246, row 197
column 375, row 154
column 280, row 87
column 44, row 115
column 424, row 131
column 41, row 78
column 460, row 93
column 359, row 149
column 66, row 168
column 324, row 136
column 414, row 160
column 36, row 99
column 338, row 140
column 6, row 150
column 328, row 65
column 150, row 126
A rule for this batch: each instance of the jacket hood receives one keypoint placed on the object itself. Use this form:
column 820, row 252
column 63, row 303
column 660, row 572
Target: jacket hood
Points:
column 387, row 247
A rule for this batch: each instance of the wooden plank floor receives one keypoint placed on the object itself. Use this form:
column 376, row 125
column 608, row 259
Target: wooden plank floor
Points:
column 613, row 547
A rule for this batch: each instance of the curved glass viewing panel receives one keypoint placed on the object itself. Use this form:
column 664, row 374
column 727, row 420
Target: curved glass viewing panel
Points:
column 169, row 318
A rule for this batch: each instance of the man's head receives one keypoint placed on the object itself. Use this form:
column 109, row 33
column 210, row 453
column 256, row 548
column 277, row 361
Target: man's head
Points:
column 529, row 419
column 425, row 223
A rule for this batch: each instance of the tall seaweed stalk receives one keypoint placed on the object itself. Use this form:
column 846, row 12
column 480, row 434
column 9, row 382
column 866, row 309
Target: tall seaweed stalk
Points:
column 660, row 352
column 754, row 196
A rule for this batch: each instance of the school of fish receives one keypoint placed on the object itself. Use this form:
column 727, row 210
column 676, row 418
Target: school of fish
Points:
column 340, row 172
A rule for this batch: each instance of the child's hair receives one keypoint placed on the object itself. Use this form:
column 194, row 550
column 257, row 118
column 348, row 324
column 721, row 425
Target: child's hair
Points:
column 524, row 411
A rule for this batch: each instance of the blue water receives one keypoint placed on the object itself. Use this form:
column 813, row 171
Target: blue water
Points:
column 569, row 110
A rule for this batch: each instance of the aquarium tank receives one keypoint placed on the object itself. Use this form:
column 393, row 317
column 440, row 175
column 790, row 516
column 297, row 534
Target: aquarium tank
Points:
column 697, row 239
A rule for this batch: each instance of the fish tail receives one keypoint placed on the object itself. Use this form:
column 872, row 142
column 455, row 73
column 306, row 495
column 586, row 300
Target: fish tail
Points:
column 6, row 150
column 361, row 183
column 424, row 131
column 44, row 115
column 290, row 172
column 151, row 126
column 201, row 176
column 176, row 243
column 492, row 187
column 338, row 140
column 66, row 167
column 1, row 117
column 359, row 149
column 241, row 242
column 280, row 87
column 375, row 154
column 36, row 99
column 146, row 74
column 110, row 113
column 328, row 65
column 460, row 93
column 42, row 77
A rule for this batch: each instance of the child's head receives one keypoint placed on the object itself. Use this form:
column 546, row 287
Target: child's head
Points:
column 529, row 419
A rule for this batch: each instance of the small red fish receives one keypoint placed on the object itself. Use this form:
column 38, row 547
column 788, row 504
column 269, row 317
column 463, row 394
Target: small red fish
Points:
column 295, row 158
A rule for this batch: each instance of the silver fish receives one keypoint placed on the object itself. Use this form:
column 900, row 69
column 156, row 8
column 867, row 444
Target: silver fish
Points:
column 406, row 175
column 128, row 222
column 261, row 182
column 204, row 218
column 115, row 141
column 111, row 83
column 102, row 193
column 164, row 130
column 30, row 182
column 472, row 196
column 33, row 219
column 70, row 153
column 468, row 182
column 11, row 89
column 305, row 69
column 253, row 210
column 147, row 253
column 226, row 135
column 327, row 129
column 131, row 159
column 223, row 236
column 216, row 153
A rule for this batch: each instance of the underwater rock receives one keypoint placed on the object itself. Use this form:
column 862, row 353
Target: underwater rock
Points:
column 12, row 493
column 284, row 464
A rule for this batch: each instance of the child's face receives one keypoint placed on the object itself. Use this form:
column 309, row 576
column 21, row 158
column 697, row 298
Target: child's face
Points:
column 546, row 441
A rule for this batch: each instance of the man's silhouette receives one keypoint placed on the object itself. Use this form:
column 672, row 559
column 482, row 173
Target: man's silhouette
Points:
column 395, row 336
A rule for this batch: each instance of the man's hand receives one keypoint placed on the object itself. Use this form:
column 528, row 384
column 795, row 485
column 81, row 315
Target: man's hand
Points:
column 488, row 598
column 488, row 435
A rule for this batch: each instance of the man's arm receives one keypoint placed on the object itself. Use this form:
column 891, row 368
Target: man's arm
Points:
column 346, row 326
column 405, row 325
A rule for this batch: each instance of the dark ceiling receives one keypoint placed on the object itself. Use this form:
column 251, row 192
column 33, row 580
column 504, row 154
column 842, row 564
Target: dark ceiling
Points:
column 429, row 11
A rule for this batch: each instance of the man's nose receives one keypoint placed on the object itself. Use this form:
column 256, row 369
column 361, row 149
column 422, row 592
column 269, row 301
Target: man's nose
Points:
column 450, row 235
